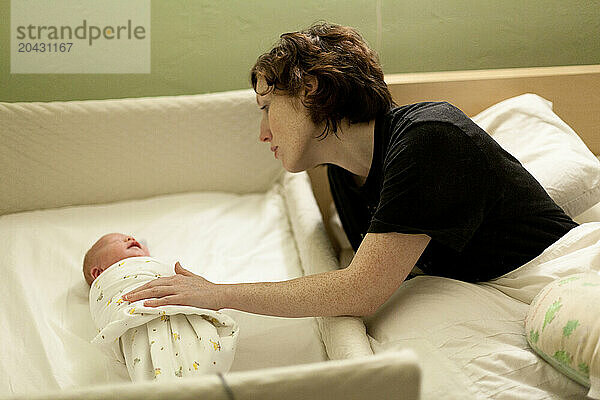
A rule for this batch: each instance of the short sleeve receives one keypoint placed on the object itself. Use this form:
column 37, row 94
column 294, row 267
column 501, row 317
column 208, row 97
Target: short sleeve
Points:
column 436, row 181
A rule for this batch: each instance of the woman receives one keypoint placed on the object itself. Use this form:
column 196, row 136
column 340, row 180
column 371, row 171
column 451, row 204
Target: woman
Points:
column 419, row 185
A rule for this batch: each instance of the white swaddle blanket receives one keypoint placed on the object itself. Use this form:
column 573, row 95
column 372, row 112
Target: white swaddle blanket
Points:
column 157, row 342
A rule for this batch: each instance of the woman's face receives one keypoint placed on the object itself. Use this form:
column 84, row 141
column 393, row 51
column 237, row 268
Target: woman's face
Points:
column 287, row 126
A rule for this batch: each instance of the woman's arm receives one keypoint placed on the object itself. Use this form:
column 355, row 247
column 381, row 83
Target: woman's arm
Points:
column 380, row 265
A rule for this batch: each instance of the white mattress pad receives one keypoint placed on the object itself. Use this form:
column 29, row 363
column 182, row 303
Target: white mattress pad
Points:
column 45, row 342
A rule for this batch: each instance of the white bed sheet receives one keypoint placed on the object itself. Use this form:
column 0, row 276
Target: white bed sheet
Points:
column 470, row 338
column 225, row 237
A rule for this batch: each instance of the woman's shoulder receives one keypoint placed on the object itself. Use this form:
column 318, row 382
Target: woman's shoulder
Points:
column 413, row 123
column 439, row 126
column 427, row 111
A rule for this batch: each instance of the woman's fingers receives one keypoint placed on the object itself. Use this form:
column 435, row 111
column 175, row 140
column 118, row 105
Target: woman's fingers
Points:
column 144, row 287
column 184, row 288
column 150, row 289
column 167, row 300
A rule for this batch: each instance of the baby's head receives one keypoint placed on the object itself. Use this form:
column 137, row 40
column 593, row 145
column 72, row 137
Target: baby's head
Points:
column 108, row 250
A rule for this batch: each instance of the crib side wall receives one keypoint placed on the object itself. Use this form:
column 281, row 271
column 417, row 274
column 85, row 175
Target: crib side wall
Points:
column 89, row 152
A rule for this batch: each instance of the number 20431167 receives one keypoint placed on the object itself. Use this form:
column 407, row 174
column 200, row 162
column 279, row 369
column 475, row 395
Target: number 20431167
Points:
column 44, row 47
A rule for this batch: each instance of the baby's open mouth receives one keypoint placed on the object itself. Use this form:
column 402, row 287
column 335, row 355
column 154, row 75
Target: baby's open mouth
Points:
column 134, row 244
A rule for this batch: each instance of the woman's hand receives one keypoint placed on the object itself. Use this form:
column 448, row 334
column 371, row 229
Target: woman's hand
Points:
column 184, row 289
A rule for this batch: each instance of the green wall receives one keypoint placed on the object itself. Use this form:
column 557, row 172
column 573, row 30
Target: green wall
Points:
column 201, row 46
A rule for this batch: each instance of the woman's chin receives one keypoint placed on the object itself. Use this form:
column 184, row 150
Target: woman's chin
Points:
column 293, row 168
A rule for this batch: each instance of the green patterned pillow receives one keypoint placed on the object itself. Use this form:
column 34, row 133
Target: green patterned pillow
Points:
column 563, row 327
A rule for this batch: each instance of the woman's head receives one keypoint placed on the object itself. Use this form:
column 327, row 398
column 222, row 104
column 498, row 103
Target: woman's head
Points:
column 344, row 77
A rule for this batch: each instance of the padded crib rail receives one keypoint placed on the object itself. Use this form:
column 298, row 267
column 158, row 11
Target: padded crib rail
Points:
column 88, row 152
column 344, row 337
column 391, row 375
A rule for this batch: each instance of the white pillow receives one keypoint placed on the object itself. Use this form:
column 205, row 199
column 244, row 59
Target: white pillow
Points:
column 563, row 327
column 548, row 148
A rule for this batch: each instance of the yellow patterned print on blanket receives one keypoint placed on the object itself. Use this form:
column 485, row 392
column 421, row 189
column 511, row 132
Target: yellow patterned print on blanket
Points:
column 212, row 320
column 216, row 345
column 154, row 343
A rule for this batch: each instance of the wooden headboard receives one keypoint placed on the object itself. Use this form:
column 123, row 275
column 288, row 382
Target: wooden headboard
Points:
column 574, row 91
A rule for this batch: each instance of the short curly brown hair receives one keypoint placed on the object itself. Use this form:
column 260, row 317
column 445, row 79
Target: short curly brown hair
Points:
column 349, row 75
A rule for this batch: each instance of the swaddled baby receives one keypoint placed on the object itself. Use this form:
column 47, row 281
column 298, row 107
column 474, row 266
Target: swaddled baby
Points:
column 154, row 342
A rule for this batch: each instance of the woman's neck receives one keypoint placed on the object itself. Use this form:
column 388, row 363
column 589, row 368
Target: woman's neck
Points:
column 352, row 149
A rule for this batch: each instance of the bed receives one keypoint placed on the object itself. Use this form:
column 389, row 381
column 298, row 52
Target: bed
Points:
column 187, row 175
column 470, row 338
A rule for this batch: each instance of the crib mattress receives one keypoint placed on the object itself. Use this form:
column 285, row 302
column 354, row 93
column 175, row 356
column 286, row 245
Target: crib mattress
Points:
column 45, row 343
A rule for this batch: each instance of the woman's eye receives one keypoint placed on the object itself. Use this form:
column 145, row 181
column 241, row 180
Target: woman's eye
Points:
column 266, row 108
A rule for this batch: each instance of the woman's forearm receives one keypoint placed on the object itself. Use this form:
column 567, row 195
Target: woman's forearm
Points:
column 379, row 267
column 332, row 293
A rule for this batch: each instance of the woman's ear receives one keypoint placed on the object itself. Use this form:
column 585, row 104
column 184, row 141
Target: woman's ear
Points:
column 311, row 84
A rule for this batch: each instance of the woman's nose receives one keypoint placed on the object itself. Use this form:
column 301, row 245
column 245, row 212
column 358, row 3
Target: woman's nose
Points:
column 265, row 132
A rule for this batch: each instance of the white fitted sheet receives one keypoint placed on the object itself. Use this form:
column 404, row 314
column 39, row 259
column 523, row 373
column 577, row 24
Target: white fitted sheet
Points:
column 470, row 338
column 225, row 237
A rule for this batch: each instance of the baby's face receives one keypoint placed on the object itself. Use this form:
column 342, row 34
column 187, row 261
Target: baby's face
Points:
column 114, row 247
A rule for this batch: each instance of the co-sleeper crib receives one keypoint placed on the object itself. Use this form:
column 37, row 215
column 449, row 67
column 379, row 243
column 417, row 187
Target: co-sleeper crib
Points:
column 188, row 174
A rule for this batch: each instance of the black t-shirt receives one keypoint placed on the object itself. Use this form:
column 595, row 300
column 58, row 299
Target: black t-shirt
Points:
column 435, row 171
